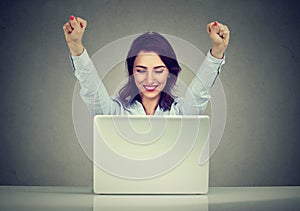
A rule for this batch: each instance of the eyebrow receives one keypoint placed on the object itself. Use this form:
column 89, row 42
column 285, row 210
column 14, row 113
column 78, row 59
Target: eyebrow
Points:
column 157, row 67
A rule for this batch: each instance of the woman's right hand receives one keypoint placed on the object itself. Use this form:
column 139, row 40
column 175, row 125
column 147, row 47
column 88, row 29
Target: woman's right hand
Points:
column 74, row 30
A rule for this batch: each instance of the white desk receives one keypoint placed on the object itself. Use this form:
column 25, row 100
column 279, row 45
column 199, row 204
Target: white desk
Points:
column 76, row 198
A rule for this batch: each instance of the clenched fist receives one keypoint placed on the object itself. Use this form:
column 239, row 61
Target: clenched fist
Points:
column 219, row 35
column 74, row 30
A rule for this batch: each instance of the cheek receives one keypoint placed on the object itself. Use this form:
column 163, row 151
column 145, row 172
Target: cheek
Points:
column 163, row 79
column 138, row 79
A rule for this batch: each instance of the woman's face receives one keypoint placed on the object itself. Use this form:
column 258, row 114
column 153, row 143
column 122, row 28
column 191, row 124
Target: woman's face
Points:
column 150, row 75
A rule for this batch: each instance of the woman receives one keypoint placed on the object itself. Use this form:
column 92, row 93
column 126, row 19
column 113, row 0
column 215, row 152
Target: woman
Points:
column 152, row 73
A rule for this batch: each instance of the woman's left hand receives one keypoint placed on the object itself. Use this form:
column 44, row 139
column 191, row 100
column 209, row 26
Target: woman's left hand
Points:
column 219, row 35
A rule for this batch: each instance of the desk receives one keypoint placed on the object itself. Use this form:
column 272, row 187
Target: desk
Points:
column 81, row 198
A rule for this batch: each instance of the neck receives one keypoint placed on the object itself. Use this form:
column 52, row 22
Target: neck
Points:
column 150, row 105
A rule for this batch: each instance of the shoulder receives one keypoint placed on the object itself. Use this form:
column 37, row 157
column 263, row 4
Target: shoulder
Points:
column 118, row 107
column 178, row 100
column 177, row 105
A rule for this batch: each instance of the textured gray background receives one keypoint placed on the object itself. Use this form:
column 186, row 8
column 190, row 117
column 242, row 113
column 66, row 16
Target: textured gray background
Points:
column 260, row 146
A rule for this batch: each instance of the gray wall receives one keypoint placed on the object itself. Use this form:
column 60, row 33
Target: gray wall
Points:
column 261, row 79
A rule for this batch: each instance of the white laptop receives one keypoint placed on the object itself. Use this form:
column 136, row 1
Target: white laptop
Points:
column 150, row 154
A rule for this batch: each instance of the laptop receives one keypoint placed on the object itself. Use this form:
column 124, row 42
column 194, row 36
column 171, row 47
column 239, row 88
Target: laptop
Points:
column 150, row 154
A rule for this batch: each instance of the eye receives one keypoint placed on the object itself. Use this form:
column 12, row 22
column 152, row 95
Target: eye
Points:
column 159, row 71
column 140, row 71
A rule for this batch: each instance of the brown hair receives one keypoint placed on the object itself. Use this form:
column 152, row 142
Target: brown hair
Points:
column 151, row 42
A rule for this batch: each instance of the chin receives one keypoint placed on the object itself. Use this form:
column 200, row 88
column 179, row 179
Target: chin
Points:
column 151, row 95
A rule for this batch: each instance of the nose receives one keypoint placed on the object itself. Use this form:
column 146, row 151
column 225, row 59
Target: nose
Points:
column 149, row 77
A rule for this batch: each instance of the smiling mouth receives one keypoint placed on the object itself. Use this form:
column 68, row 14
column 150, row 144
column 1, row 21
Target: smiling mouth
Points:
column 150, row 88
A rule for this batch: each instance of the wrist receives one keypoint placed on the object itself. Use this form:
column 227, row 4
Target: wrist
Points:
column 76, row 49
column 219, row 54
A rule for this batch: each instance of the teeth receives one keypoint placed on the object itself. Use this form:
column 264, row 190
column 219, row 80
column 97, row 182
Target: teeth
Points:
column 150, row 87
